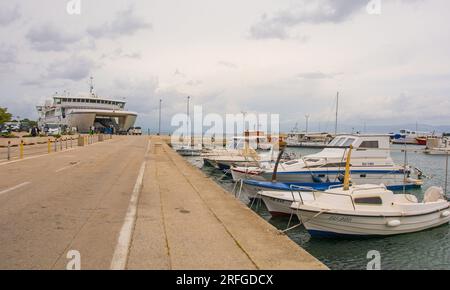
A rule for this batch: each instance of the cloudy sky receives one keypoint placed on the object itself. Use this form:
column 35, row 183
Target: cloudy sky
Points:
column 279, row 56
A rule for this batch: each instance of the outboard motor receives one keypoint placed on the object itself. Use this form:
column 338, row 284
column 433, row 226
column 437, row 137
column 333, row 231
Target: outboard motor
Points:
column 434, row 194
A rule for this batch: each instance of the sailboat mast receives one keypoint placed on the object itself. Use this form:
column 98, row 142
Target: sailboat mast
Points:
column 337, row 111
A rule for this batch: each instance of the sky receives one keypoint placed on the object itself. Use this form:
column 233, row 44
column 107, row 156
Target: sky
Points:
column 389, row 62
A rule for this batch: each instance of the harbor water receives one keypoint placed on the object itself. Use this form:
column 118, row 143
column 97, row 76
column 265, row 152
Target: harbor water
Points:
column 424, row 250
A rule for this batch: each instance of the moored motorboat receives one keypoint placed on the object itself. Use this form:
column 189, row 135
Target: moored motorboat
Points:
column 371, row 210
column 372, row 163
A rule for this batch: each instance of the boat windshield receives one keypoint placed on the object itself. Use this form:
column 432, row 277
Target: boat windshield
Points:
column 349, row 142
column 337, row 141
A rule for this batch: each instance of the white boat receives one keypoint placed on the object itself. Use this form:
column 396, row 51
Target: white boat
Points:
column 371, row 163
column 371, row 210
column 279, row 203
column 241, row 151
column 409, row 137
column 82, row 113
column 438, row 146
column 308, row 140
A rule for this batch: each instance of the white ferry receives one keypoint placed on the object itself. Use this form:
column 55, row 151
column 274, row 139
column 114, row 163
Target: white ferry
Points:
column 83, row 113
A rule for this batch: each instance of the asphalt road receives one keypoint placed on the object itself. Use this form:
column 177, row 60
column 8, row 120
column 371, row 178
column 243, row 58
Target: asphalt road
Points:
column 71, row 200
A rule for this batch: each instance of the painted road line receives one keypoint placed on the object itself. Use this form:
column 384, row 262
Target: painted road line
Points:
column 120, row 256
column 14, row 187
column 67, row 167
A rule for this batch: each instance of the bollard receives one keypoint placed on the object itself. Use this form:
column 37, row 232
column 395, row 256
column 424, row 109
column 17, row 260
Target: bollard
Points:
column 60, row 144
column 49, row 146
column 9, row 150
column 21, row 149
column 71, row 140
column 66, row 144
column 56, row 145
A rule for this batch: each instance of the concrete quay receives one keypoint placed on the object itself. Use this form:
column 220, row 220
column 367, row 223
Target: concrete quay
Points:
column 131, row 203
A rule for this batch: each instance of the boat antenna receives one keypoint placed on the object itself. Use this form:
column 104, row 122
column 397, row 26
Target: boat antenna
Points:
column 446, row 167
column 337, row 111
column 347, row 169
column 404, row 167
column 91, row 86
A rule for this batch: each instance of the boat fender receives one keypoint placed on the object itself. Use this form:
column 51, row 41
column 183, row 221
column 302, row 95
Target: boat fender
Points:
column 445, row 213
column 394, row 223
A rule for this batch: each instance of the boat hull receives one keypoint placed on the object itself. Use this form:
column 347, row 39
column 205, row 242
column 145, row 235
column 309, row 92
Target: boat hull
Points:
column 279, row 203
column 389, row 178
column 332, row 224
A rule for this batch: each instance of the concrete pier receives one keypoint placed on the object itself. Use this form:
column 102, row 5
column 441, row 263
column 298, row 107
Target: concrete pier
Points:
column 131, row 203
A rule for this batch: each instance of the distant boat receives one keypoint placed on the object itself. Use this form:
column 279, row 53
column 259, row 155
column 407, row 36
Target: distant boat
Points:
column 421, row 140
column 438, row 146
column 410, row 137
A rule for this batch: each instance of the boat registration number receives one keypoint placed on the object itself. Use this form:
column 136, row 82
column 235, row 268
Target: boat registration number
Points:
column 340, row 219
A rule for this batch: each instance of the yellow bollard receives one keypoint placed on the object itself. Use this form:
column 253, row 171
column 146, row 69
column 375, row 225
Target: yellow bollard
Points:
column 21, row 149
column 49, row 146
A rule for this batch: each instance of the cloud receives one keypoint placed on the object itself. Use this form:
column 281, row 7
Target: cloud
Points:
column 317, row 75
column 48, row 37
column 75, row 69
column 227, row 64
column 120, row 54
column 8, row 14
column 315, row 12
column 125, row 23
column 7, row 54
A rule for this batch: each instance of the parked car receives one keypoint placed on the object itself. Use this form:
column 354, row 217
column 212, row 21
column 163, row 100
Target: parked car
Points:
column 135, row 131
column 52, row 129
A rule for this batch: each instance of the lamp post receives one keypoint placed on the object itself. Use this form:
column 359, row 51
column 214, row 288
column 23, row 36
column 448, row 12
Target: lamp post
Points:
column 159, row 123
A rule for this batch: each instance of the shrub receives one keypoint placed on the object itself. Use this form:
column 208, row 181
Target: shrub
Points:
column 8, row 135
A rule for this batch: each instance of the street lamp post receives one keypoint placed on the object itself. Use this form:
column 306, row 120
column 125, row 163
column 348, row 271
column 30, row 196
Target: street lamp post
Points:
column 159, row 124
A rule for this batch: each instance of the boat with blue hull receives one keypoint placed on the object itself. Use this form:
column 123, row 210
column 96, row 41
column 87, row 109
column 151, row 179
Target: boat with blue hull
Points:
column 372, row 163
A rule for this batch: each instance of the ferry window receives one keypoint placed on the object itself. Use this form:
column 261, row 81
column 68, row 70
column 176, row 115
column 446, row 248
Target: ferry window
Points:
column 369, row 144
column 58, row 101
column 375, row 200
column 291, row 162
column 402, row 131
column 348, row 142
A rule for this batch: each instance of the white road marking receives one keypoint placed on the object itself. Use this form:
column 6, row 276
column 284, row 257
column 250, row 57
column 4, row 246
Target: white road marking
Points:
column 67, row 167
column 120, row 257
column 14, row 187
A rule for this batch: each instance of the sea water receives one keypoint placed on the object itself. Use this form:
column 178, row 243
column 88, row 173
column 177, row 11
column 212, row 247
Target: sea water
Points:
column 428, row 249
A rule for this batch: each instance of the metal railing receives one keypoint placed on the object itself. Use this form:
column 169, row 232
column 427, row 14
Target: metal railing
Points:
column 301, row 189
column 34, row 147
